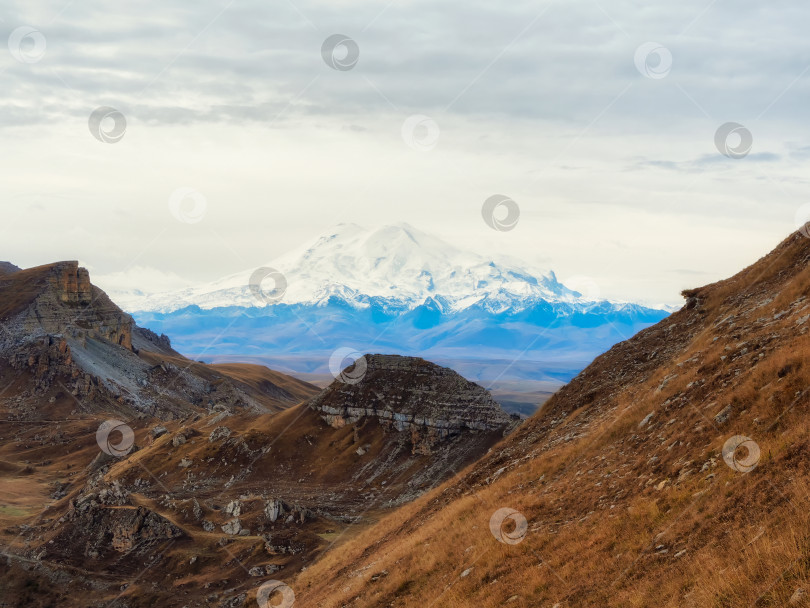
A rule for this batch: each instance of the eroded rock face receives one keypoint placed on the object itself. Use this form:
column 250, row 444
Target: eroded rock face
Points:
column 63, row 312
column 99, row 529
column 85, row 310
column 72, row 283
column 411, row 395
column 68, row 334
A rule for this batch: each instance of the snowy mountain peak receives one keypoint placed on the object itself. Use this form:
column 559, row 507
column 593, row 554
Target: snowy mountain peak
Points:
column 399, row 263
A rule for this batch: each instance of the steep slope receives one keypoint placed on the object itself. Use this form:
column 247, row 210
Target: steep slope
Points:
column 68, row 337
column 8, row 268
column 673, row 471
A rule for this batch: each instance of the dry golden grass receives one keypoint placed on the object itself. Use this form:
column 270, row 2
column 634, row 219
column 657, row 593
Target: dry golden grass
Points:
column 621, row 514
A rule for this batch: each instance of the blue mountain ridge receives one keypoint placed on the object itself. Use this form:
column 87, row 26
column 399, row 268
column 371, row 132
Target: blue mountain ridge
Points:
column 569, row 334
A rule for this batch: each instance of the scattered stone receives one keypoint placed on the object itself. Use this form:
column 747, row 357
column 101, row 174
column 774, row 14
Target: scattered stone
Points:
column 233, row 527
column 196, row 509
column 274, row 509
column 378, row 576
column 798, row 596
column 182, row 436
column 221, row 432
column 724, row 415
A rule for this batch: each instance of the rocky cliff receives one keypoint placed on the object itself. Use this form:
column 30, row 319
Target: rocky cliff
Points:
column 67, row 334
column 410, row 395
column 59, row 298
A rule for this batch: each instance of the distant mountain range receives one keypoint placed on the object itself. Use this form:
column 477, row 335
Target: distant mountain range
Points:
column 398, row 290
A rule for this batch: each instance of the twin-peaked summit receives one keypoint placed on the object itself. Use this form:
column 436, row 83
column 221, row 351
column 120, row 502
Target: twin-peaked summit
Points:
column 397, row 263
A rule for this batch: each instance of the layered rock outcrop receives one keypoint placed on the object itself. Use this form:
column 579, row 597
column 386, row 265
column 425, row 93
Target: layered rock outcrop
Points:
column 72, row 283
column 59, row 299
column 410, row 395
column 65, row 332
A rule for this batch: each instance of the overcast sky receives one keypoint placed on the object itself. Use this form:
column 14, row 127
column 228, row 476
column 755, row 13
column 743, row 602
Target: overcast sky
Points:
column 599, row 119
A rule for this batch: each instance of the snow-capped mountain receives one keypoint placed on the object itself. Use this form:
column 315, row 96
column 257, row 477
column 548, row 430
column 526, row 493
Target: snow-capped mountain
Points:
column 400, row 264
column 395, row 290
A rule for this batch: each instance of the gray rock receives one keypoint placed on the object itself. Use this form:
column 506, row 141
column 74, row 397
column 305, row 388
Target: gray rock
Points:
column 221, row 432
column 426, row 402
column 274, row 509
column 724, row 415
column 233, row 527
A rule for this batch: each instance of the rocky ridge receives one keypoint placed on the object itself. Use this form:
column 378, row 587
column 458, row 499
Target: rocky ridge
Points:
column 410, row 395
column 213, row 492
column 64, row 331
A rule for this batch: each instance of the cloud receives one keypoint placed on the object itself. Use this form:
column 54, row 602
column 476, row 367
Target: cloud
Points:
column 708, row 160
column 236, row 62
column 538, row 100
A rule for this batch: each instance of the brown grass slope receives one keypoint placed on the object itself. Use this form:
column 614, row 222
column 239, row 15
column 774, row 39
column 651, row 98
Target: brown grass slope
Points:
column 187, row 476
column 267, row 381
column 620, row 477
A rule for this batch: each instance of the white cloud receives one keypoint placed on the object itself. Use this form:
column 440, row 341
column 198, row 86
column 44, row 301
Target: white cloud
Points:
column 617, row 175
column 135, row 282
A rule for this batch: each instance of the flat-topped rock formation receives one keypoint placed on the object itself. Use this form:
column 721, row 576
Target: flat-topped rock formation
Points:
column 64, row 331
column 409, row 394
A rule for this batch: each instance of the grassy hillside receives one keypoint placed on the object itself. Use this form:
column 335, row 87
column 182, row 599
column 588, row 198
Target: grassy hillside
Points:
column 621, row 478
